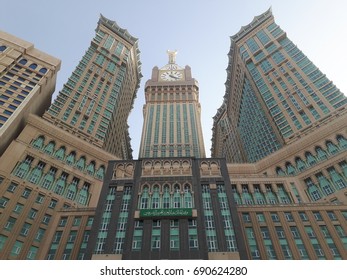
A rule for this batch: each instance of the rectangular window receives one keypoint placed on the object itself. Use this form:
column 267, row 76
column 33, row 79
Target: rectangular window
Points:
column 40, row 198
column 46, row 219
column 25, row 229
column 26, row 193
column 289, row 217
column 10, row 223
column 32, row 214
column 12, row 187
column 39, row 235
column 52, row 203
column 303, row 216
column 16, row 249
column 3, row 202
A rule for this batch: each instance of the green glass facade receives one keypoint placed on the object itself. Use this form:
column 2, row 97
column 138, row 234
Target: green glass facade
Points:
column 97, row 98
column 274, row 92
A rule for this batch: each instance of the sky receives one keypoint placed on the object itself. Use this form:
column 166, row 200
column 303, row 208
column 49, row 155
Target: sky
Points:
column 199, row 30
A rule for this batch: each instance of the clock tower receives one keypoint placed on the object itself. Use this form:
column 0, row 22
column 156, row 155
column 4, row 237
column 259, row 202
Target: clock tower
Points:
column 172, row 125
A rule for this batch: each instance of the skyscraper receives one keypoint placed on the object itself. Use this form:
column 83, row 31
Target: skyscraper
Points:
column 282, row 129
column 274, row 94
column 96, row 100
column 172, row 126
column 262, row 205
column 266, row 195
column 27, row 82
column 58, row 162
column 161, row 194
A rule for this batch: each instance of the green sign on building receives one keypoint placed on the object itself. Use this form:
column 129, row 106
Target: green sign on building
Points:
column 172, row 212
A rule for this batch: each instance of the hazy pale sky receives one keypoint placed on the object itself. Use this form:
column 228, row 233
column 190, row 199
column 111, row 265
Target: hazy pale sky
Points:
column 199, row 30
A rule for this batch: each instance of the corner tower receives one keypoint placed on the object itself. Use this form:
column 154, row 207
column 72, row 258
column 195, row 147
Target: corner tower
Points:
column 97, row 99
column 274, row 94
column 172, row 126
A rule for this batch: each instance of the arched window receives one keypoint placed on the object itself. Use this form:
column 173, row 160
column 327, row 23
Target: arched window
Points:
column 70, row 159
column 325, row 184
column 343, row 165
column 342, row 141
column 279, row 171
column 177, row 197
column 155, row 201
column 283, row 195
column 332, row 148
column 35, row 175
column 144, row 198
column 338, row 181
column 101, row 172
column 166, row 197
column 321, row 154
column 23, row 167
column 300, row 164
column 187, row 197
column 60, row 154
column 247, row 197
column 313, row 190
column 48, row 179
column 23, row 61
column 91, row 168
column 49, row 149
column 33, row 66
column 81, row 163
column 59, row 187
column 43, row 70
column 270, row 195
column 84, row 194
column 290, row 168
column 72, row 189
column 38, row 142
column 310, row 159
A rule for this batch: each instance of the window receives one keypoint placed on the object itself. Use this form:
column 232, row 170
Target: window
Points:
column 25, row 229
column 275, row 217
column 280, row 233
column 63, row 221
column 303, row 216
column 3, row 202
column 40, row 198
column 10, row 223
column 33, row 66
column 32, row 214
column 23, row 61
column 246, row 217
column 52, row 203
column 77, row 221
column 26, row 193
column 46, row 219
column 17, row 247
column 289, row 216
column 295, row 232
column 317, row 216
column 12, row 187
column 18, row 208
column 260, row 217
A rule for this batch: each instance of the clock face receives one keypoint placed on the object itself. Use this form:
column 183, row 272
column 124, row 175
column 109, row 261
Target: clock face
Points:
column 171, row 76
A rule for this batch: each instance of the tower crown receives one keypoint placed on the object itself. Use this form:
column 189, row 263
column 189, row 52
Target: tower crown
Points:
column 172, row 56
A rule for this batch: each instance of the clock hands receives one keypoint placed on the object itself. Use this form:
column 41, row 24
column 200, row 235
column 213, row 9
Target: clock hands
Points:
column 172, row 76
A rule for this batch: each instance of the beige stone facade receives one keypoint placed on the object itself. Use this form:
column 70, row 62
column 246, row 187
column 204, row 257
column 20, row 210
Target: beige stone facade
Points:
column 27, row 82
column 51, row 175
